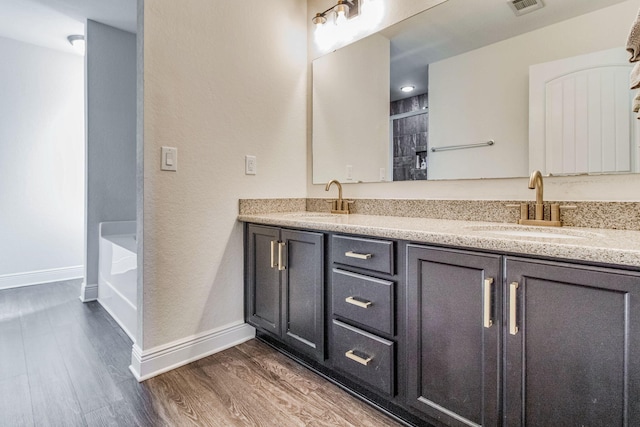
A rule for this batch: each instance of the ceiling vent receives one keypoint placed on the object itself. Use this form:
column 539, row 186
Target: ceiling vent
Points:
column 520, row 7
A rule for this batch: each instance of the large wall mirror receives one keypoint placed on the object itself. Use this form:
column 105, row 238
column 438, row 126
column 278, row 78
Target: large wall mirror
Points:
column 497, row 92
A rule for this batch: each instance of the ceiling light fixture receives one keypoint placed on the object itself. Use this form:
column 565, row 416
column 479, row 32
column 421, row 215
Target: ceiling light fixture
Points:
column 407, row 88
column 77, row 41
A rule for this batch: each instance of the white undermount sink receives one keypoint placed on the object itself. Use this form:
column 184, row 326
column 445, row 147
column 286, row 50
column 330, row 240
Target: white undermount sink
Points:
column 534, row 232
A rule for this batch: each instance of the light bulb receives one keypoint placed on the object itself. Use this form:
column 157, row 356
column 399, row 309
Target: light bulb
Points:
column 341, row 18
column 325, row 38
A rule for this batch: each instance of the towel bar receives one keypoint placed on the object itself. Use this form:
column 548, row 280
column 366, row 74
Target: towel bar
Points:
column 460, row 147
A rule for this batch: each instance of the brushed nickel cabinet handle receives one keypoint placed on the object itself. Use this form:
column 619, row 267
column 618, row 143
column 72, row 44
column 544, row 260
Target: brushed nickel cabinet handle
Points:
column 488, row 285
column 281, row 265
column 273, row 256
column 513, row 301
column 356, row 358
column 352, row 254
column 363, row 304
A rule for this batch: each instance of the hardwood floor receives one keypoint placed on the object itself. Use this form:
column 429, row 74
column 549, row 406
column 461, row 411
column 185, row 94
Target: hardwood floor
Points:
column 65, row 363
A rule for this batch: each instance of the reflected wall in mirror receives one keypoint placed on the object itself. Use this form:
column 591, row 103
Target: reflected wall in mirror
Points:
column 351, row 109
column 471, row 64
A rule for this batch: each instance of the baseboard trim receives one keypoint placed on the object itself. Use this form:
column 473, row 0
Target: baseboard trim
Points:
column 39, row 277
column 88, row 292
column 146, row 364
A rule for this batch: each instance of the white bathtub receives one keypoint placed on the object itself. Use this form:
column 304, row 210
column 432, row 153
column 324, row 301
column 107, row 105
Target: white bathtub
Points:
column 118, row 274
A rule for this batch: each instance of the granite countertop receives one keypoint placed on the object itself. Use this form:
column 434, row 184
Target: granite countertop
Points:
column 619, row 247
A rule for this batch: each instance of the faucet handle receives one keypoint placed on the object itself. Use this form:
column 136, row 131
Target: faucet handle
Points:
column 524, row 209
column 556, row 208
column 346, row 205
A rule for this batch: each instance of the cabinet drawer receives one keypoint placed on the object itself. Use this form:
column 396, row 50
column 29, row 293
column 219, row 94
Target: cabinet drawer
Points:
column 374, row 255
column 364, row 356
column 363, row 299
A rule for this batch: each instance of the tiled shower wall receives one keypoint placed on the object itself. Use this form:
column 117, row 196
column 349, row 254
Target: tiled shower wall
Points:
column 410, row 139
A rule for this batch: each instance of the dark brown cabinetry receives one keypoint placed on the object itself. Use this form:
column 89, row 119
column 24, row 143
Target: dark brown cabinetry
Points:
column 362, row 344
column 453, row 335
column 448, row 336
column 551, row 344
column 572, row 346
column 285, row 286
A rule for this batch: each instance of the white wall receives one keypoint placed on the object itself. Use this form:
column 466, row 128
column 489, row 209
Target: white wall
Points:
column 494, row 103
column 111, row 133
column 605, row 188
column 343, row 123
column 221, row 80
column 41, row 164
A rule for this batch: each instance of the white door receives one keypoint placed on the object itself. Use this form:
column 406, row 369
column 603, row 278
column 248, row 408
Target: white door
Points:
column 580, row 117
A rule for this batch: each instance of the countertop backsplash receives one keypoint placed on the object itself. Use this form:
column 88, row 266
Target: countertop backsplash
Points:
column 605, row 215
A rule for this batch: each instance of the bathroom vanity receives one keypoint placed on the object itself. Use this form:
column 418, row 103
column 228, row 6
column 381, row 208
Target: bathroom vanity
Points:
column 443, row 322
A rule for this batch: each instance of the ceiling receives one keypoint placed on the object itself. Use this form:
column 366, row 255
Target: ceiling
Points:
column 458, row 26
column 47, row 23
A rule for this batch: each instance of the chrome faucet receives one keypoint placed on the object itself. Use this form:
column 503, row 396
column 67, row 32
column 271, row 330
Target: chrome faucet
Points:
column 338, row 206
column 535, row 181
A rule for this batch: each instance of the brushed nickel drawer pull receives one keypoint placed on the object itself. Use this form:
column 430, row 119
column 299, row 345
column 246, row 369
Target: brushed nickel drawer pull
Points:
column 352, row 254
column 488, row 284
column 363, row 304
column 357, row 358
column 513, row 327
column 281, row 265
column 273, row 256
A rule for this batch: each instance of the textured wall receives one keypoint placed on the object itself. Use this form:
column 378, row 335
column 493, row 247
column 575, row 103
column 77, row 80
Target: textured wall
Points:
column 111, row 133
column 221, row 80
column 611, row 188
column 41, row 158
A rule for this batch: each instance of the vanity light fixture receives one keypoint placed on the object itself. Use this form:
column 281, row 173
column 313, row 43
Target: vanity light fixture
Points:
column 77, row 41
column 336, row 24
column 341, row 10
column 407, row 89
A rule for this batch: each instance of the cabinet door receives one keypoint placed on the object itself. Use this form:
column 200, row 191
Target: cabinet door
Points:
column 303, row 291
column 571, row 345
column 453, row 334
column 263, row 279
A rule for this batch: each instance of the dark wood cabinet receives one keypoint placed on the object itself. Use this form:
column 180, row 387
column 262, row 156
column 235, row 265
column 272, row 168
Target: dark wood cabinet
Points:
column 362, row 339
column 551, row 344
column 572, row 345
column 453, row 335
column 263, row 296
column 285, row 286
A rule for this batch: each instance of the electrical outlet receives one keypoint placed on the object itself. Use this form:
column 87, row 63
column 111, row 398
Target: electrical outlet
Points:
column 382, row 175
column 250, row 165
column 349, row 172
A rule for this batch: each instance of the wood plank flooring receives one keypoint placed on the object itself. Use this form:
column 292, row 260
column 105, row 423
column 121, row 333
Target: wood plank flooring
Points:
column 65, row 363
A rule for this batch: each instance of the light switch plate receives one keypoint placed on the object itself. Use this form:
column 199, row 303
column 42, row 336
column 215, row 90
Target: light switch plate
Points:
column 250, row 165
column 169, row 160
